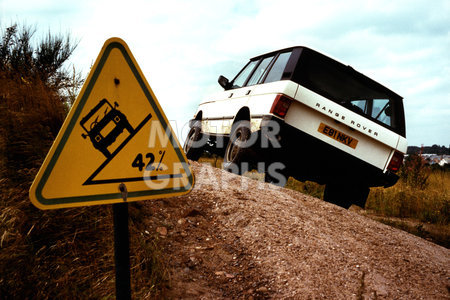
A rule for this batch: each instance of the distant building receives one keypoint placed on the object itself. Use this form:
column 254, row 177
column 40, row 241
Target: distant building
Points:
column 444, row 161
column 433, row 159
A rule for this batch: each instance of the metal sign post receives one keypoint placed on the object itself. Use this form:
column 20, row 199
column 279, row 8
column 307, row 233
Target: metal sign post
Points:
column 122, row 246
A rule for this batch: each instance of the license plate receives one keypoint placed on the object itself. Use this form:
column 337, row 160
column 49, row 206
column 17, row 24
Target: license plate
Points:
column 338, row 135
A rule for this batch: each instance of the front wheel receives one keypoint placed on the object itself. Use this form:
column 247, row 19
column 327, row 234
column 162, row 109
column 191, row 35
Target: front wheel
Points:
column 192, row 146
column 345, row 195
column 235, row 153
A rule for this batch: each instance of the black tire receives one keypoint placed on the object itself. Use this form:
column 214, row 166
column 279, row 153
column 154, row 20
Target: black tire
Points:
column 237, row 148
column 191, row 147
column 346, row 195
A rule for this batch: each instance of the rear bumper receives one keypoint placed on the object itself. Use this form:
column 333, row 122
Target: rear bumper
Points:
column 308, row 158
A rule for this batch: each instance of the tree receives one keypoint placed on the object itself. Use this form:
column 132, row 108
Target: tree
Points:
column 35, row 94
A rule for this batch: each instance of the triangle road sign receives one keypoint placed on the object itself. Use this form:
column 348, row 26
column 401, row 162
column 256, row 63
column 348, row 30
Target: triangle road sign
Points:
column 116, row 132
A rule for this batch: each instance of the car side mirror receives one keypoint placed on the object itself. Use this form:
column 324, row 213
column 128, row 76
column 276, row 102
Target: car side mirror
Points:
column 224, row 82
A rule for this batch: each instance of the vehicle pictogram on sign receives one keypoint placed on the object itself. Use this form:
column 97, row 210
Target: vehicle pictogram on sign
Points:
column 104, row 123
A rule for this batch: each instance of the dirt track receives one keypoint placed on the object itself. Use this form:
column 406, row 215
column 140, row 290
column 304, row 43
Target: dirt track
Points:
column 237, row 238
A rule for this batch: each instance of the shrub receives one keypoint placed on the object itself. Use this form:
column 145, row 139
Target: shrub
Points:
column 35, row 91
column 415, row 172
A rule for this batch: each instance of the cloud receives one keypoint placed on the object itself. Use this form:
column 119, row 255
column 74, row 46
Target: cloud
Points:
column 183, row 46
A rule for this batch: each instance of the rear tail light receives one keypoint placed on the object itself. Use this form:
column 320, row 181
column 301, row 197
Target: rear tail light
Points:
column 396, row 162
column 280, row 106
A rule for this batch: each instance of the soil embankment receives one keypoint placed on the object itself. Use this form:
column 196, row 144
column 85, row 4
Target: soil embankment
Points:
column 236, row 238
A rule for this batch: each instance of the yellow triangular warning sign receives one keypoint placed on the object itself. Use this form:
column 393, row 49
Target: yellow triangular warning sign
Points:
column 116, row 132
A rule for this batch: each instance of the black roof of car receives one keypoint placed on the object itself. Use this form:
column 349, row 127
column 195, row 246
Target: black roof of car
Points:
column 330, row 60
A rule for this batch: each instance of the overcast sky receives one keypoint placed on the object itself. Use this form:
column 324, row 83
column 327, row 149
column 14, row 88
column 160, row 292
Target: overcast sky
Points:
column 183, row 46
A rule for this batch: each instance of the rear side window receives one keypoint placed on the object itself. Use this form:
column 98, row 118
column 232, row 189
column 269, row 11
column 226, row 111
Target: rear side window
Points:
column 276, row 72
column 243, row 75
column 260, row 70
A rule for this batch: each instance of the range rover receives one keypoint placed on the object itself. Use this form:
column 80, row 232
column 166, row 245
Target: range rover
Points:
column 296, row 112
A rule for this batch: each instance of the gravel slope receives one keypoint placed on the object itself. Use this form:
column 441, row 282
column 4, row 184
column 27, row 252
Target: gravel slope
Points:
column 236, row 238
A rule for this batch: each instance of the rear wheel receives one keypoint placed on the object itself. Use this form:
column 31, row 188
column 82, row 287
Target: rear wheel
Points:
column 235, row 153
column 345, row 195
column 192, row 146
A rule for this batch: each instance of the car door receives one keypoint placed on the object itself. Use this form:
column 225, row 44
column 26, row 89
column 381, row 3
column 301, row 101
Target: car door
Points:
column 240, row 97
column 219, row 112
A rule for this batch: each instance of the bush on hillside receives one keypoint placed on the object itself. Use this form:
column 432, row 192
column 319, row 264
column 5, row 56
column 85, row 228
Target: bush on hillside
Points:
column 35, row 93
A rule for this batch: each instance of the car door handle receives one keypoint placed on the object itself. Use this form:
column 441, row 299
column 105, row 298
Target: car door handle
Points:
column 231, row 95
column 248, row 92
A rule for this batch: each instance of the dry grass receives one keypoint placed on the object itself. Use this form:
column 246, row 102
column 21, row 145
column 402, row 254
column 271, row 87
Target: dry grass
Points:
column 212, row 159
column 431, row 205
column 65, row 253
column 68, row 253
column 423, row 212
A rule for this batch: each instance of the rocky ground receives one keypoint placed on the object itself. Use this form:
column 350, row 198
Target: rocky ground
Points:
column 236, row 238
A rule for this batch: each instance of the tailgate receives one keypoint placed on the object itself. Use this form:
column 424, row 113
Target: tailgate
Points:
column 343, row 129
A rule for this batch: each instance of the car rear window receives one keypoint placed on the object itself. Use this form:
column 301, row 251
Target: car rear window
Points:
column 378, row 109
